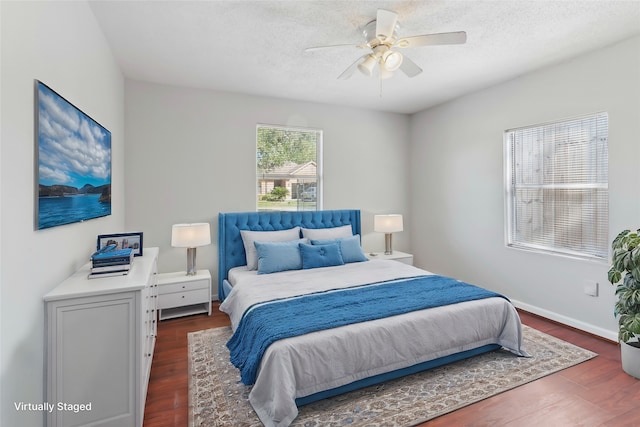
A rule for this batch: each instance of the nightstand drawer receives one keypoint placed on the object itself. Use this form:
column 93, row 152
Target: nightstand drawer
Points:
column 183, row 286
column 178, row 299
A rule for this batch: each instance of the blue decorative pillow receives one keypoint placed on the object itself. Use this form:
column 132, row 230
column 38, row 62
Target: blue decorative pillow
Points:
column 316, row 256
column 349, row 247
column 279, row 256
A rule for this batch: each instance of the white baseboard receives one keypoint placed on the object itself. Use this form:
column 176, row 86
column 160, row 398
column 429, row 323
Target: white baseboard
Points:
column 587, row 327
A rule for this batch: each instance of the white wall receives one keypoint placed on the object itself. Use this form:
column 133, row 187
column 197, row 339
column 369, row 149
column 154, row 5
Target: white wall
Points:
column 191, row 154
column 60, row 44
column 458, row 185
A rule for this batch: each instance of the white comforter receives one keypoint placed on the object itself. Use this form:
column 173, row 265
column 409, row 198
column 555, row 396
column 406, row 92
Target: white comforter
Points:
column 300, row 366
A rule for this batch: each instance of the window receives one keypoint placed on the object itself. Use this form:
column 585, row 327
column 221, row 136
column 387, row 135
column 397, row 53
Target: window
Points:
column 288, row 168
column 557, row 187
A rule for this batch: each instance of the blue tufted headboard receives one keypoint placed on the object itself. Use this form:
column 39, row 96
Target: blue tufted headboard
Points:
column 231, row 249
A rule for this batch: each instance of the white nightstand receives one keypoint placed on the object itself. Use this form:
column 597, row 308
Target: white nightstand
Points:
column 396, row 256
column 182, row 295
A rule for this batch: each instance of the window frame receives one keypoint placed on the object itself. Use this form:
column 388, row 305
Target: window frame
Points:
column 318, row 161
column 511, row 240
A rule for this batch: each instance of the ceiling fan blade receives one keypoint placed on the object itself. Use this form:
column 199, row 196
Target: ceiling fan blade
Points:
column 409, row 67
column 357, row 46
column 352, row 68
column 385, row 23
column 458, row 37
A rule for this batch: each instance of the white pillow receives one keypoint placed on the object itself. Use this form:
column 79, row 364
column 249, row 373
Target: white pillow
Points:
column 327, row 233
column 248, row 237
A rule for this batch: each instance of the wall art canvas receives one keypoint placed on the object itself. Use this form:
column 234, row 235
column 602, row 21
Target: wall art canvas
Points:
column 74, row 162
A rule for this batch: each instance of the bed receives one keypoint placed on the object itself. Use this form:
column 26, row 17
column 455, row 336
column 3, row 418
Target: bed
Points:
column 311, row 350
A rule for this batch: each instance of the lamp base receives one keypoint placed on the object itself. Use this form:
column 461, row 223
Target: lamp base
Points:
column 191, row 262
column 387, row 244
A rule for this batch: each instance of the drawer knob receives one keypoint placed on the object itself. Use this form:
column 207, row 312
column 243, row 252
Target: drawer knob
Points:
column 182, row 296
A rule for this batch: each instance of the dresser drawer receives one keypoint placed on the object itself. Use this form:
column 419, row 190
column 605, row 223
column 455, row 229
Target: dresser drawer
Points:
column 183, row 286
column 178, row 299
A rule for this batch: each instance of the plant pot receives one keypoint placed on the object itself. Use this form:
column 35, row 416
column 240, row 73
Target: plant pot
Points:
column 630, row 359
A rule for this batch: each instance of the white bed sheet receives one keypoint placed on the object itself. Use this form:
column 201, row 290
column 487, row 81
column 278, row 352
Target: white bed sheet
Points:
column 304, row 365
column 237, row 273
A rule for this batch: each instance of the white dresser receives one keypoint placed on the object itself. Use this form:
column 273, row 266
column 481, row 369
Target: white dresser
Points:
column 100, row 339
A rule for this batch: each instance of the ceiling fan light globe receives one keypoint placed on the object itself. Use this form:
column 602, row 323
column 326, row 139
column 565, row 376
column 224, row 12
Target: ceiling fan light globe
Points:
column 366, row 67
column 385, row 74
column 392, row 60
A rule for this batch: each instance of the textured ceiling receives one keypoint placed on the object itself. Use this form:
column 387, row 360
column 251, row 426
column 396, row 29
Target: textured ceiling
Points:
column 257, row 47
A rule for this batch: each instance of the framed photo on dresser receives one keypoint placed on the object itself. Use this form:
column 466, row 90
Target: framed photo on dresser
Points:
column 122, row 241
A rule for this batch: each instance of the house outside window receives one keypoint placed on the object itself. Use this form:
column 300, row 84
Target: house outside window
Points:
column 557, row 187
column 288, row 168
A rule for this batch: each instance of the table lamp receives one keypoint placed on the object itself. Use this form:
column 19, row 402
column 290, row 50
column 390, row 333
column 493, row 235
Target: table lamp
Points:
column 387, row 224
column 190, row 236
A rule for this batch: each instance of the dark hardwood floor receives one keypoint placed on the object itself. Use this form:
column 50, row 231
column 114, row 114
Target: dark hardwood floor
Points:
column 594, row 393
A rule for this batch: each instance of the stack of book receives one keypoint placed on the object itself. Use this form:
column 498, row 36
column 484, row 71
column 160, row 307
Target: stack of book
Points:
column 111, row 262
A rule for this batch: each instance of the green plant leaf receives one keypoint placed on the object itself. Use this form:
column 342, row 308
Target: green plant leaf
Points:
column 629, row 281
column 625, row 335
column 617, row 241
column 635, row 256
column 617, row 309
column 617, row 258
column 632, row 324
column 614, row 276
column 625, row 274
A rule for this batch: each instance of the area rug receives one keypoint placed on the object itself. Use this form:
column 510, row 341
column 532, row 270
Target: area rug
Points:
column 218, row 398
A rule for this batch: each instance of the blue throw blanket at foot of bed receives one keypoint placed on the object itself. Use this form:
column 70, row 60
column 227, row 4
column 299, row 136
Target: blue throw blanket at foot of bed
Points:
column 263, row 323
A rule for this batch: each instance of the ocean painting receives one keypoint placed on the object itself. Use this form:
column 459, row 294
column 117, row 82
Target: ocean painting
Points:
column 74, row 163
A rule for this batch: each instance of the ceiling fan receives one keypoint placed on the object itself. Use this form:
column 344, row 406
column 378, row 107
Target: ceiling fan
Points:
column 382, row 39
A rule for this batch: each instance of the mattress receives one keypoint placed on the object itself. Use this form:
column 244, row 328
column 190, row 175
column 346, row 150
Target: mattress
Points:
column 237, row 273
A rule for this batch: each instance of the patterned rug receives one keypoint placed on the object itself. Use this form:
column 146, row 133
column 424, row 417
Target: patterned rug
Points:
column 217, row 398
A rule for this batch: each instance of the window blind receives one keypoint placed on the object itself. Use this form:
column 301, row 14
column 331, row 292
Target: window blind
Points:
column 557, row 185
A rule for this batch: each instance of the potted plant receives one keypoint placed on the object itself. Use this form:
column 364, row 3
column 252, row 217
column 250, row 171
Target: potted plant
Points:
column 625, row 275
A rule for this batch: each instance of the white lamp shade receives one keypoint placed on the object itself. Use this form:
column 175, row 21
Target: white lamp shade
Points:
column 367, row 66
column 387, row 223
column 385, row 74
column 392, row 60
column 190, row 235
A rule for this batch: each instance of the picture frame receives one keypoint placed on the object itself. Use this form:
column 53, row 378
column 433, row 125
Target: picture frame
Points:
column 73, row 162
column 122, row 241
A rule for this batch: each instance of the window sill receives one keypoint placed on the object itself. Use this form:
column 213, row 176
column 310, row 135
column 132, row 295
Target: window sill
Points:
column 577, row 257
